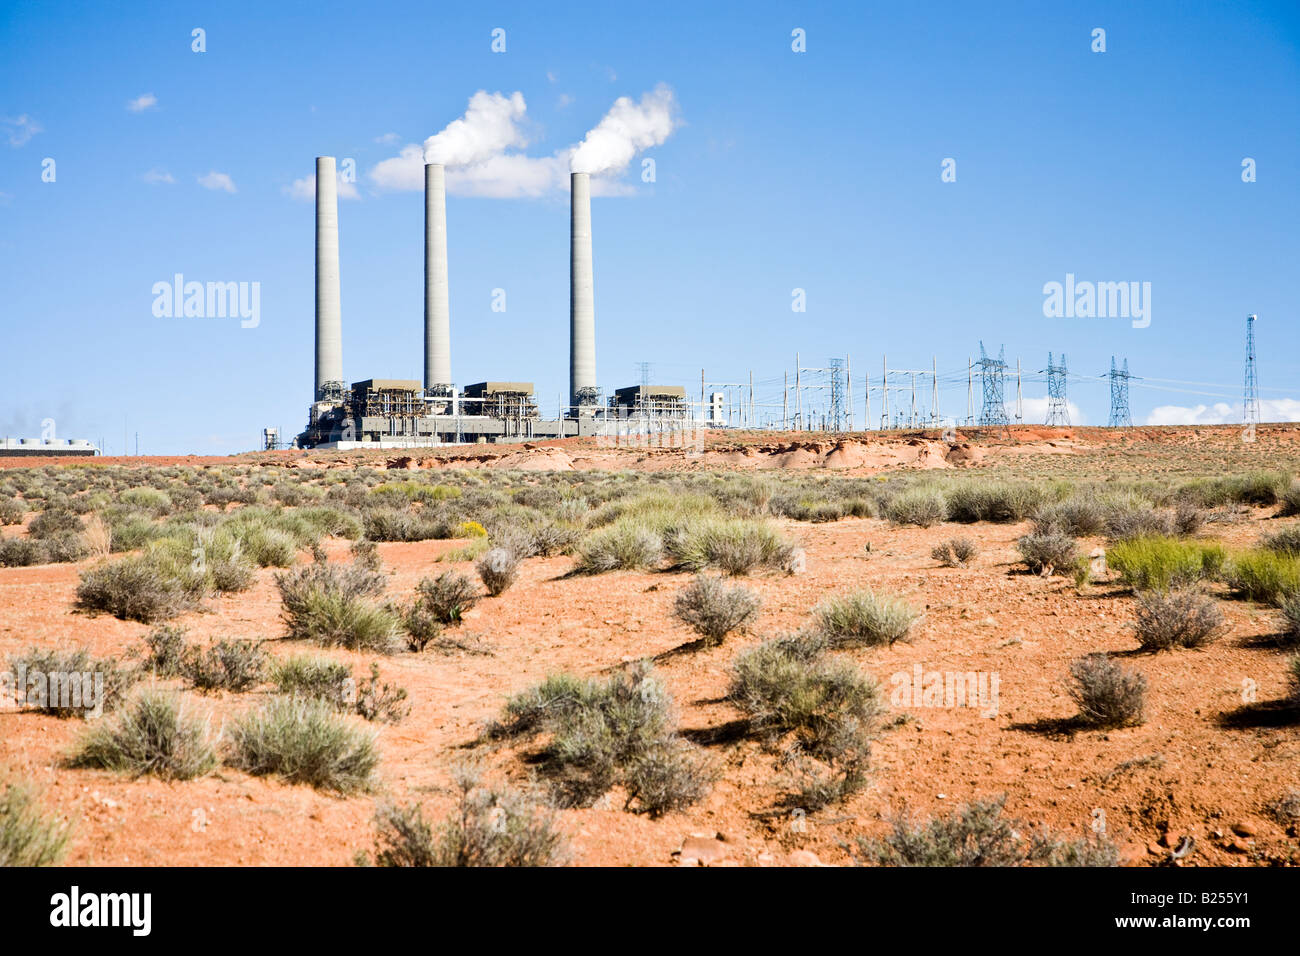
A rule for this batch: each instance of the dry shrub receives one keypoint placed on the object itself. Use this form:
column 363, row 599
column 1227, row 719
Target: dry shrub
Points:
column 1107, row 695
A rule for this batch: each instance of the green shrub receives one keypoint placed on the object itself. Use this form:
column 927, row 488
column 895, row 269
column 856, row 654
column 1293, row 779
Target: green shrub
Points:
column 70, row 683
column 446, row 598
column 1171, row 619
column 1286, row 541
column 147, row 499
column 955, row 553
column 619, row 732
column 27, row 836
column 381, row 701
column 992, row 501
column 22, row 552
column 489, row 827
column 304, row 741
column 979, row 835
column 791, row 687
column 1291, row 500
column 1291, row 619
column 733, row 545
column 53, row 521
column 326, row 604
column 11, row 510
column 392, row 524
column 1160, row 563
column 313, row 677
column 1266, row 576
column 1107, row 695
column 166, row 649
column 234, row 665
column 625, row 545
column 1078, row 516
column 864, row 619
column 154, row 737
column 918, row 506
column 713, row 609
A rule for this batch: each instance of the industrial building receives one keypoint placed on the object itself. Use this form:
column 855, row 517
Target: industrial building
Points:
column 404, row 413
column 46, row 447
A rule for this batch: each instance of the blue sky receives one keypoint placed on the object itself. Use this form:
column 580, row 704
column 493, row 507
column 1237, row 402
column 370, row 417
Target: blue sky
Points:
column 817, row 171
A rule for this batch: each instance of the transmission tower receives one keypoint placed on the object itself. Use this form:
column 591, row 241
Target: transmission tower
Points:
column 1250, row 407
column 837, row 393
column 1120, row 417
column 992, row 372
column 1058, row 410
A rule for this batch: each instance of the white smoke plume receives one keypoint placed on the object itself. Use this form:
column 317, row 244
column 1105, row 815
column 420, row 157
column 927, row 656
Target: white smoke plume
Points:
column 627, row 129
column 488, row 128
column 479, row 149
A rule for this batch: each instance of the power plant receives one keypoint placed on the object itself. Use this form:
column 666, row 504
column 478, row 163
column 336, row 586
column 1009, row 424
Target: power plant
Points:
column 399, row 413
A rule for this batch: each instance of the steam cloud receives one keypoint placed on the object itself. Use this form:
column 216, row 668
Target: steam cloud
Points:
column 478, row 149
column 488, row 128
column 626, row 130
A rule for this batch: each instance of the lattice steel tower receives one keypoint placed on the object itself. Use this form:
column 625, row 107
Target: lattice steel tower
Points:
column 992, row 372
column 1250, row 407
column 1120, row 416
column 1058, row 409
column 837, row 393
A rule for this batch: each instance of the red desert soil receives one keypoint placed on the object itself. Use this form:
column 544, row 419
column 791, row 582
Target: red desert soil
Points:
column 1184, row 772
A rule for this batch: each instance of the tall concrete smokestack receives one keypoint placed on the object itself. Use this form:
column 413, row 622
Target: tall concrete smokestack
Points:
column 582, row 294
column 437, row 313
column 329, row 324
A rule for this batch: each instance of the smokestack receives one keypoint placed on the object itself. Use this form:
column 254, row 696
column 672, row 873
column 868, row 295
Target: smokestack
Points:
column 329, row 324
column 437, row 314
column 582, row 295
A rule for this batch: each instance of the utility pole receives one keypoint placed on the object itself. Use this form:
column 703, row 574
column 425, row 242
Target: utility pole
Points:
column 798, row 398
column 866, row 389
column 785, row 402
column 970, row 394
column 884, row 381
column 848, row 380
column 1020, row 403
column 751, row 398
column 934, row 394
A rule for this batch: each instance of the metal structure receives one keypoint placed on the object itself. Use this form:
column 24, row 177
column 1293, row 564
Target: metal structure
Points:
column 1250, row 403
column 1058, row 409
column 1120, row 416
column 993, row 379
column 837, row 394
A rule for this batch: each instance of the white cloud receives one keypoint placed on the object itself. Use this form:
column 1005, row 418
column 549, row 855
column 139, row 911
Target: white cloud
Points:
column 627, row 129
column 157, row 175
column 20, row 129
column 551, row 77
column 145, row 101
column 305, row 189
column 388, row 139
column 215, row 180
column 564, row 100
column 478, row 149
column 1221, row 413
column 1036, row 411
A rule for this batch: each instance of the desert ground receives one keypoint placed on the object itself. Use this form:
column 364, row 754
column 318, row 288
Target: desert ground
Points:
column 1201, row 779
